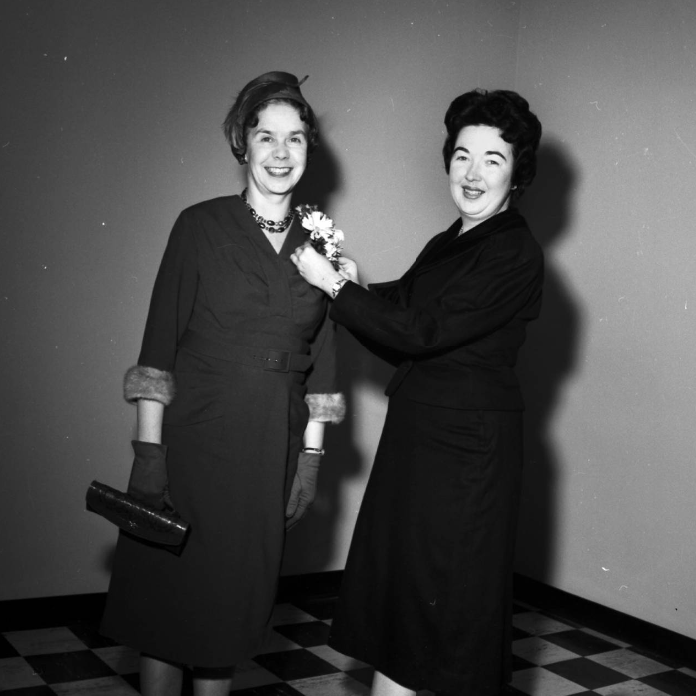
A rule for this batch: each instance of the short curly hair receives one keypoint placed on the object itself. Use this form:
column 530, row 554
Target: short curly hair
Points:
column 269, row 88
column 509, row 113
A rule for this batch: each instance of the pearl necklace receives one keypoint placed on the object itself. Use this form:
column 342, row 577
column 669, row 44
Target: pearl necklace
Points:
column 269, row 225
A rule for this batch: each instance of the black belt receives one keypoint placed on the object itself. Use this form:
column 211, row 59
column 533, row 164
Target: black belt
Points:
column 266, row 358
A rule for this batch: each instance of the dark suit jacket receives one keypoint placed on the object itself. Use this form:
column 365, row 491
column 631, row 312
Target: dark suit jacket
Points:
column 453, row 324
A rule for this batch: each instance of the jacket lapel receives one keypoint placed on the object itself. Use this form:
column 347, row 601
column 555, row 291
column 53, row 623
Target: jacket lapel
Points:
column 451, row 244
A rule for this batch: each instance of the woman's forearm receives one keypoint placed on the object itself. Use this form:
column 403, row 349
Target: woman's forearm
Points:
column 150, row 415
column 314, row 435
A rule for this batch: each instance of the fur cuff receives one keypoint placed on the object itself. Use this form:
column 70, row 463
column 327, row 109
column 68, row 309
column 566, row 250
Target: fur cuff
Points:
column 326, row 407
column 142, row 382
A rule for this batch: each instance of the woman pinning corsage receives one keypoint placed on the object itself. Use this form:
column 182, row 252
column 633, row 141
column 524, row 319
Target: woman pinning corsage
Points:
column 426, row 594
column 233, row 386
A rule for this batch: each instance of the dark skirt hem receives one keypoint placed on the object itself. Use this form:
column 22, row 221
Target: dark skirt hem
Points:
column 177, row 657
column 410, row 677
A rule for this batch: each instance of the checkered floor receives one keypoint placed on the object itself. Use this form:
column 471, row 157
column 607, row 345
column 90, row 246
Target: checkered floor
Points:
column 553, row 658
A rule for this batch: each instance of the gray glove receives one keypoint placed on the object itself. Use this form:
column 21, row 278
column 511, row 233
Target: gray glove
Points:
column 148, row 480
column 304, row 488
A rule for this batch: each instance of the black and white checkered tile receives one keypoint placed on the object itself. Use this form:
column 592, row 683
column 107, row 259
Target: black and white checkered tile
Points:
column 552, row 658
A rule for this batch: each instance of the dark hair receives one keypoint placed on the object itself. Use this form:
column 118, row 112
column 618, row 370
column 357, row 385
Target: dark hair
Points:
column 269, row 88
column 508, row 112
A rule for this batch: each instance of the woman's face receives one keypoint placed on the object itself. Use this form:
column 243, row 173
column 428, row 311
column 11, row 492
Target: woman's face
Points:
column 480, row 175
column 276, row 150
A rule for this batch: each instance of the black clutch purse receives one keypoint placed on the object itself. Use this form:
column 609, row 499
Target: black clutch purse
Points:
column 159, row 527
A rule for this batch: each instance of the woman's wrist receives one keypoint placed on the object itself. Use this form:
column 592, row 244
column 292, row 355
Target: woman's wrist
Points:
column 328, row 281
column 313, row 440
column 314, row 450
column 336, row 287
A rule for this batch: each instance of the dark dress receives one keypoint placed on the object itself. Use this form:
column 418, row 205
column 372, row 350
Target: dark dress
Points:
column 426, row 594
column 223, row 296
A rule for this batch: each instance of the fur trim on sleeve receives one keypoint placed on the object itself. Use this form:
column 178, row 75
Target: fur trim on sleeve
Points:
column 142, row 382
column 326, row 407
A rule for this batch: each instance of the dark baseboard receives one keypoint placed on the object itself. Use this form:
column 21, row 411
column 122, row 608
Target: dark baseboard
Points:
column 45, row 612
column 641, row 634
column 310, row 586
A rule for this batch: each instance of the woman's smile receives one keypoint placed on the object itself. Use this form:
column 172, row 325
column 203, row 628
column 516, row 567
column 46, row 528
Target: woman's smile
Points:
column 279, row 171
column 472, row 193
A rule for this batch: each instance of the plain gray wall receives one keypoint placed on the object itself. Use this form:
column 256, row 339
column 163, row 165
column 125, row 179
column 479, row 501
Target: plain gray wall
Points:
column 110, row 126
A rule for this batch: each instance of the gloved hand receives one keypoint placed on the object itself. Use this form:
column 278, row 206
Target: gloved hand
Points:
column 304, row 488
column 148, row 480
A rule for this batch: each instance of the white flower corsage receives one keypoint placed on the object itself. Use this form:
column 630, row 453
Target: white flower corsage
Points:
column 323, row 235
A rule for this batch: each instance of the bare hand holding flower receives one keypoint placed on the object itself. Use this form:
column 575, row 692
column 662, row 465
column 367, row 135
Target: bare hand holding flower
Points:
column 319, row 260
column 316, row 269
column 348, row 269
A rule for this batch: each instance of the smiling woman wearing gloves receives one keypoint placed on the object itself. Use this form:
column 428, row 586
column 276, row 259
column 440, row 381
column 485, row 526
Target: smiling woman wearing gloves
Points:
column 426, row 594
column 235, row 380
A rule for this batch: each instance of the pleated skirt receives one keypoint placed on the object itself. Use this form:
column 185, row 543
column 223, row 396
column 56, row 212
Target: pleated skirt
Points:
column 427, row 591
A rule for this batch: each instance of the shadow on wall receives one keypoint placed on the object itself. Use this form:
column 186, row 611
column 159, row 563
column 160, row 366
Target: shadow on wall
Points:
column 321, row 179
column 548, row 358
